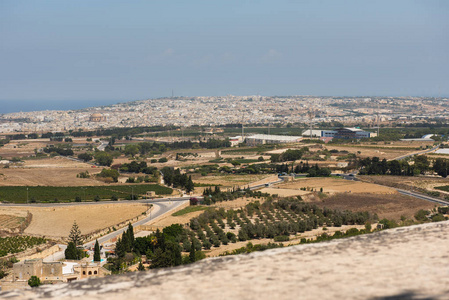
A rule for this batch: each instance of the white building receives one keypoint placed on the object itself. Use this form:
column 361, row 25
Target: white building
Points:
column 272, row 139
column 236, row 140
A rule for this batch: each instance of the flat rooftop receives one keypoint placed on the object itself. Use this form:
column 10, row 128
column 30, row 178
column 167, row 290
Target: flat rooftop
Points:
column 271, row 137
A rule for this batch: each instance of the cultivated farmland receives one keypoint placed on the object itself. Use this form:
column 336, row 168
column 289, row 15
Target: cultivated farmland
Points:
column 18, row 194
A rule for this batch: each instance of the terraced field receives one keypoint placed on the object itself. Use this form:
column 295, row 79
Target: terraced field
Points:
column 10, row 222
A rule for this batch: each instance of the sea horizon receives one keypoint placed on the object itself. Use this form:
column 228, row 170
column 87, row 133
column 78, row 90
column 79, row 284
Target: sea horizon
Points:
column 15, row 106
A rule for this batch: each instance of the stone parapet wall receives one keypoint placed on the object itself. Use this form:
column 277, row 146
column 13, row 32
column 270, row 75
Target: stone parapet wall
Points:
column 401, row 263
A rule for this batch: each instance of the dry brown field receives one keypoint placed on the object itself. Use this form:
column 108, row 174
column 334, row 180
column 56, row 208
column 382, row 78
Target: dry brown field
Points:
column 390, row 206
column 229, row 180
column 56, row 171
column 373, row 152
column 334, row 185
column 9, row 222
column 427, row 183
column 56, row 222
column 21, row 148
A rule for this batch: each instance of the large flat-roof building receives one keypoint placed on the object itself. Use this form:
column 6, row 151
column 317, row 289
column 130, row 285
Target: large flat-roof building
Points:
column 258, row 139
column 341, row 133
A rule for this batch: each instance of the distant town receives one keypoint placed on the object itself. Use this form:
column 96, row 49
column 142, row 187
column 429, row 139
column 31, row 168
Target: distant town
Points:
column 369, row 112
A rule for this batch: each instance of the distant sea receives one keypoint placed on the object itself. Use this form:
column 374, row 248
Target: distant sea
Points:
column 36, row 105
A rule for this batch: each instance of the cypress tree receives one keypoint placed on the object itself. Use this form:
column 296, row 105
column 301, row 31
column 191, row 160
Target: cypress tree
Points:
column 75, row 235
column 190, row 185
column 71, row 252
column 119, row 248
column 97, row 251
column 126, row 242
column 192, row 254
column 130, row 233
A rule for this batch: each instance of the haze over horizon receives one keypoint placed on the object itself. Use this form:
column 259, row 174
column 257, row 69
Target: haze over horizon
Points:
column 84, row 53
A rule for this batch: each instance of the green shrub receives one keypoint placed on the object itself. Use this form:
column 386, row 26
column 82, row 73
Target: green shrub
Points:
column 421, row 215
column 34, row 281
column 281, row 238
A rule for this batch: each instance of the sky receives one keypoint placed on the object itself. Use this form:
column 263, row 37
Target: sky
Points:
column 72, row 54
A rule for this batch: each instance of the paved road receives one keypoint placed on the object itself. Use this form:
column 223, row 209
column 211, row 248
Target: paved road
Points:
column 418, row 153
column 281, row 179
column 162, row 207
column 423, row 197
column 102, row 145
column 404, row 192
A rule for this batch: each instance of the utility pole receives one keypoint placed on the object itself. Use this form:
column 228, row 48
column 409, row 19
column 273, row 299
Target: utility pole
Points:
column 27, row 195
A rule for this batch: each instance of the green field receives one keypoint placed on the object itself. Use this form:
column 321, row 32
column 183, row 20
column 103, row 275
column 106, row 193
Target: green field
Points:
column 442, row 188
column 246, row 161
column 188, row 209
column 18, row 244
column 18, row 194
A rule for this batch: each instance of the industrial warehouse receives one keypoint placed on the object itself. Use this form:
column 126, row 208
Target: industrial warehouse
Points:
column 341, row 133
column 258, row 139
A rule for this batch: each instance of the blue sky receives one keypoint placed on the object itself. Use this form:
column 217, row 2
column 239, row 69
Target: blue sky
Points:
column 110, row 51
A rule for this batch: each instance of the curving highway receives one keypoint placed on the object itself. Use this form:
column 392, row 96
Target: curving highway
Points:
column 418, row 153
column 161, row 207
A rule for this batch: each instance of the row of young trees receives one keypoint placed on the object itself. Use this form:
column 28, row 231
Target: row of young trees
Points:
column 312, row 171
column 151, row 148
column 272, row 219
column 213, row 195
column 421, row 165
column 64, row 150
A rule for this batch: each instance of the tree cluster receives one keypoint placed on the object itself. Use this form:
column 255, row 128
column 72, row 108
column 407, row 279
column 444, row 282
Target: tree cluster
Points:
column 135, row 167
column 375, row 166
column 289, row 155
column 63, row 150
column 109, row 173
column 103, row 158
column 173, row 177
